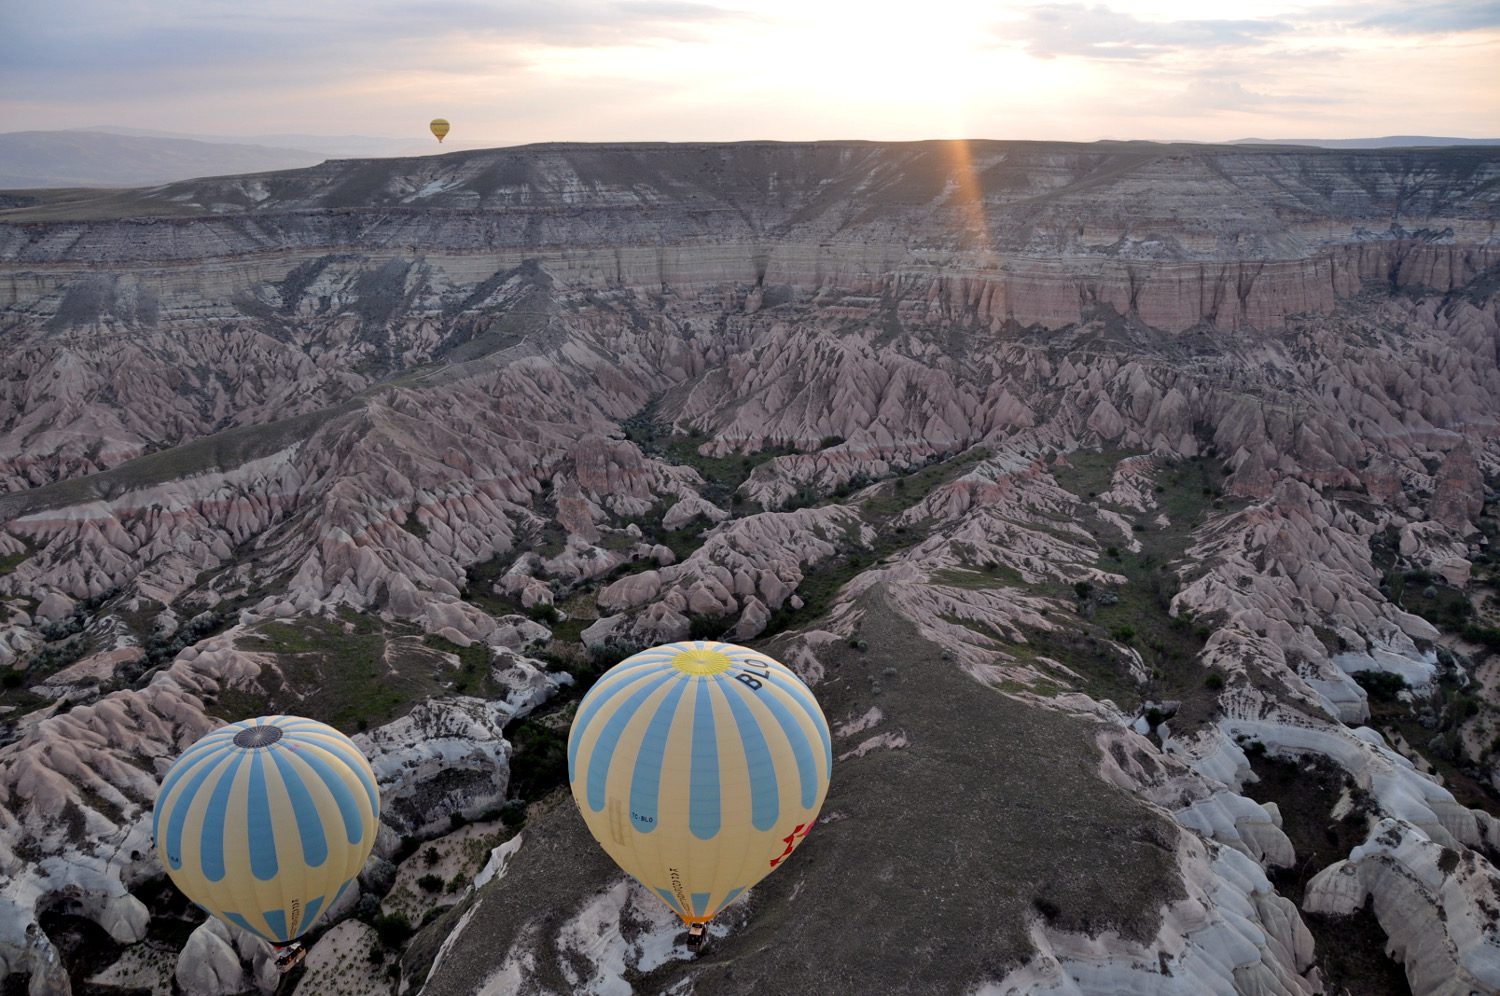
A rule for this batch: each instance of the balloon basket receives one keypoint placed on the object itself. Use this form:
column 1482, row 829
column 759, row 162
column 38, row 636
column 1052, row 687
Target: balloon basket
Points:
column 697, row 934
column 289, row 956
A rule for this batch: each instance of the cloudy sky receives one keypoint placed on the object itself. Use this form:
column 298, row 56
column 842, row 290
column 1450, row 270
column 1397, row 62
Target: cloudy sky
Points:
column 515, row 71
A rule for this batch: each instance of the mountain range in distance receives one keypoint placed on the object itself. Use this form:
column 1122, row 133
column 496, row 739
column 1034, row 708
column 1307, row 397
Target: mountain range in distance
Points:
column 126, row 157
column 1387, row 142
column 108, row 156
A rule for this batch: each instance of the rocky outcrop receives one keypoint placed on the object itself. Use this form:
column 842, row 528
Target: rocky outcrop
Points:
column 1232, row 935
column 564, row 400
column 444, row 757
column 753, row 565
column 222, row 960
column 1436, row 905
column 1458, row 490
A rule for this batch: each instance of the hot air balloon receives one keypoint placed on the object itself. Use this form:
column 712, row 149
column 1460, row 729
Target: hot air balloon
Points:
column 439, row 128
column 265, row 823
column 699, row 767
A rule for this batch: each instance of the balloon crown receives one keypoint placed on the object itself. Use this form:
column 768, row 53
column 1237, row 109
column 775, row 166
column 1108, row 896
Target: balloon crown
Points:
column 257, row 736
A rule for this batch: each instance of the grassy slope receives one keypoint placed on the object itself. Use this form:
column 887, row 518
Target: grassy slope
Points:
column 352, row 672
column 948, row 839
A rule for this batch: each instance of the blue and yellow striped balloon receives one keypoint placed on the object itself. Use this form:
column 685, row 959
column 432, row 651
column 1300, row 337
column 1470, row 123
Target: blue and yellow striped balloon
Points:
column 699, row 767
column 266, row 822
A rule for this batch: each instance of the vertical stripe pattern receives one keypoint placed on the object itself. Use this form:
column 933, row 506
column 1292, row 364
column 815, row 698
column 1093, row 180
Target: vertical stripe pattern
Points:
column 699, row 767
column 264, row 822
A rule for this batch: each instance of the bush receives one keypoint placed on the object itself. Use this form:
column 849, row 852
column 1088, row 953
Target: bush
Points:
column 367, row 908
column 701, row 627
column 1380, row 685
column 12, row 678
column 539, row 761
column 607, row 655
column 393, row 930
column 1083, row 590
column 1125, row 634
column 430, row 883
column 513, row 813
column 1214, row 682
column 1486, row 636
column 545, row 612
column 1112, row 552
column 430, row 856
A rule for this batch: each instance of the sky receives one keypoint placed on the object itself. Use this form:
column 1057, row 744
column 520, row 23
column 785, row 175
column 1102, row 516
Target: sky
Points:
column 508, row 72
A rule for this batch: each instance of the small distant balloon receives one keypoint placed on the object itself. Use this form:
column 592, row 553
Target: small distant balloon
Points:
column 439, row 128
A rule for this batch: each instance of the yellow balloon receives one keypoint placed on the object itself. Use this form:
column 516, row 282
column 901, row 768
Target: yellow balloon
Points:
column 699, row 767
column 266, row 822
column 439, row 128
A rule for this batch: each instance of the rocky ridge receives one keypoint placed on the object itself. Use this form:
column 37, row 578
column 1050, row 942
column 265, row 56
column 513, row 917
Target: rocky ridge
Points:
column 1152, row 437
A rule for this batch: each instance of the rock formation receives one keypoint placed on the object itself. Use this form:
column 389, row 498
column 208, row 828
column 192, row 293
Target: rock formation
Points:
column 1081, row 482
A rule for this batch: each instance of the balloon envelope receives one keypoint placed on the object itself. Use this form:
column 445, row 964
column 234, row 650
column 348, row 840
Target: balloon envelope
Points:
column 699, row 767
column 439, row 128
column 264, row 823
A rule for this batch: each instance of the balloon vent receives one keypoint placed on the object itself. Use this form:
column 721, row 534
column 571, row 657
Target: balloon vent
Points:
column 702, row 662
column 257, row 736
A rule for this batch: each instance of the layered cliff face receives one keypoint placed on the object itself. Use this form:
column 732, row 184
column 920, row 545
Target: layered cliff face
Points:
column 1094, row 489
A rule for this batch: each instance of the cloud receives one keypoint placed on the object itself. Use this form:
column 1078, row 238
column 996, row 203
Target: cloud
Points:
column 61, row 48
column 1098, row 32
column 1101, row 32
column 1406, row 18
column 1231, row 95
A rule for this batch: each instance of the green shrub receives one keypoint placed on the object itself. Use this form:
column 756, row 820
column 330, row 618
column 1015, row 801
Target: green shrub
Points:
column 1487, row 636
column 545, row 612
column 1380, row 685
column 393, row 929
column 701, row 627
column 513, row 813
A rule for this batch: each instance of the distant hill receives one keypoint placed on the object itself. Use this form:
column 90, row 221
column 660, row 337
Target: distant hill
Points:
column 1388, row 142
column 329, row 146
column 95, row 159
